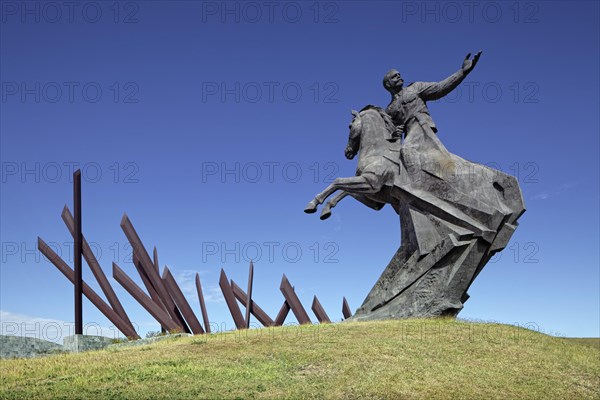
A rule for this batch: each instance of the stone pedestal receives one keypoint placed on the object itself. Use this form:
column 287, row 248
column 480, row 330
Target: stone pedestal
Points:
column 80, row 343
column 451, row 226
column 26, row 347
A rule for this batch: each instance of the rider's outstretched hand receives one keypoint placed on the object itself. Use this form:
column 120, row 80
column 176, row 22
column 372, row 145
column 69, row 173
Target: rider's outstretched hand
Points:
column 468, row 65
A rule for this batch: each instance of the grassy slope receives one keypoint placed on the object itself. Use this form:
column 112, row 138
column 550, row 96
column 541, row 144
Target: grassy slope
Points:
column 389, row 359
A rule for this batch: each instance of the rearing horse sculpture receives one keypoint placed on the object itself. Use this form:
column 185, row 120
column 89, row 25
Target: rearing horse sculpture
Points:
column 454, row 214
column 377, row 163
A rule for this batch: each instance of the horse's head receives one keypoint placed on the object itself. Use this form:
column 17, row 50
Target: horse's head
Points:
column 371, row 125
column 354, row 138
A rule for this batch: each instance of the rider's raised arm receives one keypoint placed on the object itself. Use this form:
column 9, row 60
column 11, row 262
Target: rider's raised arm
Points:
column 437, row 90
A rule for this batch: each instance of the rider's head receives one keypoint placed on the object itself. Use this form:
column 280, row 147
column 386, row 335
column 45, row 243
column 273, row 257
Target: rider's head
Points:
column 392, row 81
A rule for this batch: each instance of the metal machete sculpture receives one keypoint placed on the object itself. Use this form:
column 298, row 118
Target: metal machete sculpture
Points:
column 454, row 214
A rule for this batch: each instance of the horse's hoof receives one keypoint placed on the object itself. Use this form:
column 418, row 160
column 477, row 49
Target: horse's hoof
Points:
column 325, row 215
column 311, row 207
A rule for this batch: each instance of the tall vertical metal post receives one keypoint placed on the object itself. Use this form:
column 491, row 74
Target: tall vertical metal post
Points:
column 249, row 295
column 77, row 252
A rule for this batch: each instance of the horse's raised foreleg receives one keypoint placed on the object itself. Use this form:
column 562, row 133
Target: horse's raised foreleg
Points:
column 326, row 212
column 356, row 184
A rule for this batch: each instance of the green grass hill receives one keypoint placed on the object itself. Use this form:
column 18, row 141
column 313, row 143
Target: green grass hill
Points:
column 409, row 359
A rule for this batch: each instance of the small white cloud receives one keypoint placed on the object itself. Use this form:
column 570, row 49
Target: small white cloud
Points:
column 566, row 186
column 541, row 196
column 213, row 294
column 186, row 280
column 337, row 222
column 561, row 189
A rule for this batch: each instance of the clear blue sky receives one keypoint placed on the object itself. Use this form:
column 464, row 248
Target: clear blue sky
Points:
column 213, row 125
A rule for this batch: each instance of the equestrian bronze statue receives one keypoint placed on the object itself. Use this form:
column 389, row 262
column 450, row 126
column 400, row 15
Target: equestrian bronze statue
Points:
column 454, row 214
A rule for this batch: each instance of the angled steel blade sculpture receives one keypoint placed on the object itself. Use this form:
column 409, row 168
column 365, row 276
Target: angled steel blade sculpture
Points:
column 178, row 318
column 92, row 262
column 175, row 314
column 320, row 311
column 249, row 295
column 292, row 299
column 258, row 312
column 346, row 309
column 202, row 304
column 96, row 300
column 234, row 309
column 147, row 266
column 146, row 301
column 149, row 287
column 182, row 303
column 157, row 268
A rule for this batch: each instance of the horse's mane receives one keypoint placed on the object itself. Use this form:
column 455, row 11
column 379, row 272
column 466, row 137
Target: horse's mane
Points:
column 389, row 123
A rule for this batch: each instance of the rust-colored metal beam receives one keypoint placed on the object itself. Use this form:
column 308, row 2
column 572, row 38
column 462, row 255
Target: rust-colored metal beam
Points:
column 282, row 314
column 155, row 259
column 96, row 300
column 293, row 301
column 234, row 309
column 320, row 311
column 149, row 287
column 202, row 305
column 182, row 303
column 147, row 265
column 92, row 262
column 258, row 312
column 249, row 294
column 77, row 253
column 346, row 309
column 134, row 290
column 178, row 318
column 157, row 268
